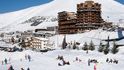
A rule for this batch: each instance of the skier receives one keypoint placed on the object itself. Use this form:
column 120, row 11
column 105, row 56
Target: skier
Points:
column 29, row 58
column 11, row 68
column 87, row 51
column 95, row 67
column 26, row 56
column 107, row 59
column 110, row 61
column 76, row 58
column 89, row 62
column 5, row 61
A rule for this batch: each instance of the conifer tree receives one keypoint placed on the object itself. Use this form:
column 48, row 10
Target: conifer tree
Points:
column 114, row 49
column 101, row 47
column 91, row 46
column 85, row 46
column 106, row 50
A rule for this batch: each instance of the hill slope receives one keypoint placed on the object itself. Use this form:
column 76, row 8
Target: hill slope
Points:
column 9, row 21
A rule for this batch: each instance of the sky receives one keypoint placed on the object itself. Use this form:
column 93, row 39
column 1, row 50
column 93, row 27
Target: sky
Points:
column 120, row 1
column 14, row 5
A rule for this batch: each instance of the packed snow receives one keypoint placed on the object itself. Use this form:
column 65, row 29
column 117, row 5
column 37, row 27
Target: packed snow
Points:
column 48, row 61
column 96, row 36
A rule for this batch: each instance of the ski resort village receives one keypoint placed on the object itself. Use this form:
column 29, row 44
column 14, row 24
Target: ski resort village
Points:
column 64, row 35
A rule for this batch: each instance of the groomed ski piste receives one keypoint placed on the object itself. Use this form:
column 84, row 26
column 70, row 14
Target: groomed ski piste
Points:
column 48, row 61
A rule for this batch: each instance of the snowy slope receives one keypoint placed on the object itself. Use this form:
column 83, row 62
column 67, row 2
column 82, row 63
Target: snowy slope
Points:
column 48, row 61
column 30, row 25
column 96, row 36
column 10, row 20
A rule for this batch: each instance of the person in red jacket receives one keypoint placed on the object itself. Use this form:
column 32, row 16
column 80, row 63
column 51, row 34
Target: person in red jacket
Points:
column 95, row 67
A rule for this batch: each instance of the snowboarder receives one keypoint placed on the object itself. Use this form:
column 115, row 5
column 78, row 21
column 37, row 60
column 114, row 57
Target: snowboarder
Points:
column 5, row 61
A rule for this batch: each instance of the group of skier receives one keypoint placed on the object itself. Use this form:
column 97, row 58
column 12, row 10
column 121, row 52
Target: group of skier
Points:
column 94, row 61
column 5, row 61
column 78, row 59
column 11, row 68
column 63, row 62
column 112, row 61
column 28, row 57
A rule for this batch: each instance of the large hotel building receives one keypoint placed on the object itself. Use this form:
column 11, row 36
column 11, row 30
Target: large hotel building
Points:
column 88, row 17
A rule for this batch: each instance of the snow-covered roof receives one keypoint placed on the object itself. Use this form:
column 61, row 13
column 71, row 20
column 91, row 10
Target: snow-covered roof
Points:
column 40, row 38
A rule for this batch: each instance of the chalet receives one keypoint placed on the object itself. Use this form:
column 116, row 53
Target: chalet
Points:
column 37, row 43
